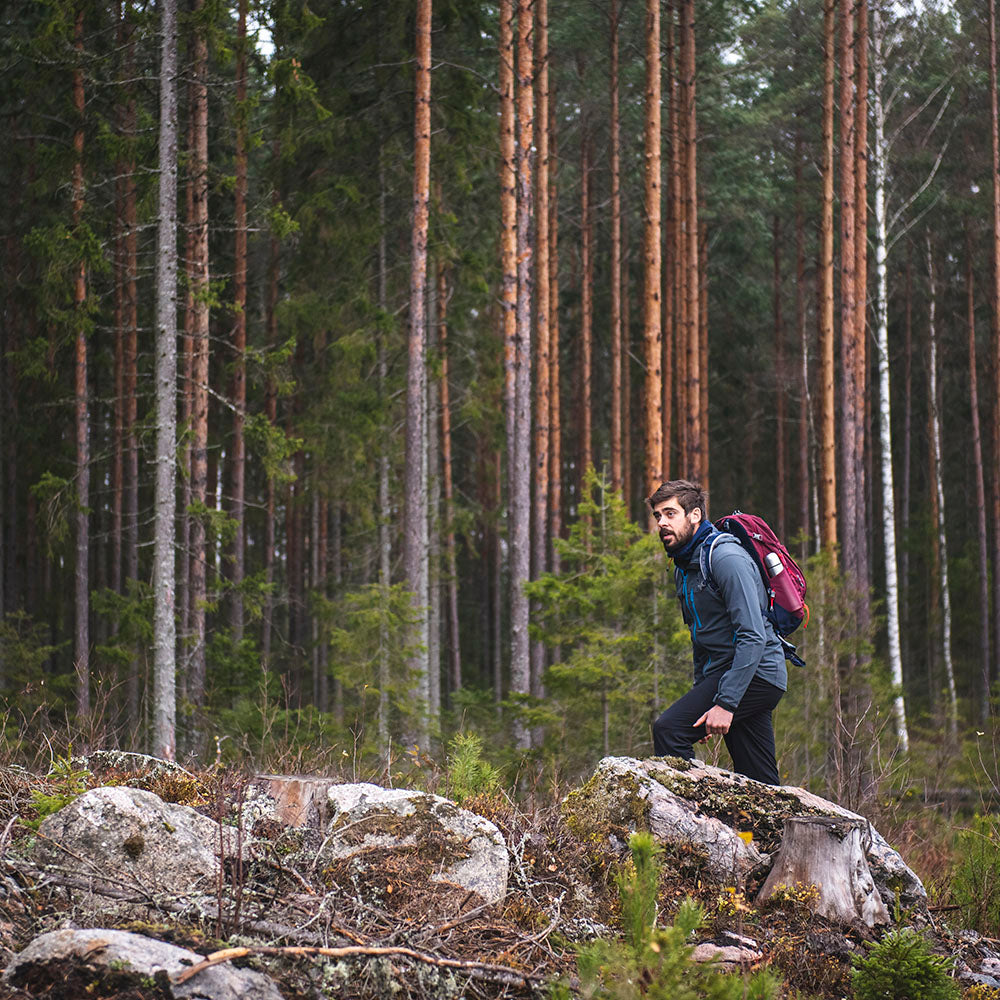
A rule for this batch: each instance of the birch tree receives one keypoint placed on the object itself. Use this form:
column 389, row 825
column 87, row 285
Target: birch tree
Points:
column 880, row 158
column 938, row 487
column 164, row 703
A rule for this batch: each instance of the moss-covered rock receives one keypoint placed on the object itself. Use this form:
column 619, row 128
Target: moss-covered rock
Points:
column 736, row 821
column 454, row 845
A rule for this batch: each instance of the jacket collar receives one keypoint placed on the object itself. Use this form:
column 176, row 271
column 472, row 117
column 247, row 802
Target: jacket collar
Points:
column 683, row 556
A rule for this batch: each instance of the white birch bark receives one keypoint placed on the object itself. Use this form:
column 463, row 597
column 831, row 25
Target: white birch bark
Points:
column 932, row 390
column 880, row 167
column 164, row 665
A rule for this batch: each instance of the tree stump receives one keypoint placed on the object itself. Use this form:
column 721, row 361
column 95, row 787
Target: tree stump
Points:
column 828, row 852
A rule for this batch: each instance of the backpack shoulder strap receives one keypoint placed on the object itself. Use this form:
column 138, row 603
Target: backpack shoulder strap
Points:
column 705, row 555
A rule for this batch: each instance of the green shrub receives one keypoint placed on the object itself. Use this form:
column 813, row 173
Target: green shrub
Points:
column 468, row 774
column 655, row 963
column 976, row 879
column 902, row 967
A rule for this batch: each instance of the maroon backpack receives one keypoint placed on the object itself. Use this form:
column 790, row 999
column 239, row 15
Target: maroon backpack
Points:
column 784, row 583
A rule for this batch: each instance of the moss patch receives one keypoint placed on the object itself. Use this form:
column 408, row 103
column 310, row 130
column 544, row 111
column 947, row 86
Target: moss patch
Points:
column 608, row 805
column 750, row 808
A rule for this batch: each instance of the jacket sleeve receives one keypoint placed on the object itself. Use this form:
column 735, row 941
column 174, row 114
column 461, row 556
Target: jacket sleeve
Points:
column 739, row 583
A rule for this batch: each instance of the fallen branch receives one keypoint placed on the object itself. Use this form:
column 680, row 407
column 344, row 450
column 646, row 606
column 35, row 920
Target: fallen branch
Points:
column 479, row 970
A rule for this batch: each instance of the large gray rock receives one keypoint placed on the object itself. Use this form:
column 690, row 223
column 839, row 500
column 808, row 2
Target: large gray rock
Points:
column 122, row 954
column 685, row 803
column 366, row 817
column 129, row 838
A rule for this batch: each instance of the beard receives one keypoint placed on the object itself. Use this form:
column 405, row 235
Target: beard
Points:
column 673, row 542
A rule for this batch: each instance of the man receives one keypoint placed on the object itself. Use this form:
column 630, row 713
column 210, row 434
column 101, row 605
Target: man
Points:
column 739, row 665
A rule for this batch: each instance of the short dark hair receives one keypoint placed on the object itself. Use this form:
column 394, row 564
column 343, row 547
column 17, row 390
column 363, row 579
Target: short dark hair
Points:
column 689, row 495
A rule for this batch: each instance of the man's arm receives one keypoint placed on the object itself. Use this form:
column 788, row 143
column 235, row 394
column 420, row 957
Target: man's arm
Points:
column 739, row 583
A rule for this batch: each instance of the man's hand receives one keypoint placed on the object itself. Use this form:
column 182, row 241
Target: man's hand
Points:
column 716, row 720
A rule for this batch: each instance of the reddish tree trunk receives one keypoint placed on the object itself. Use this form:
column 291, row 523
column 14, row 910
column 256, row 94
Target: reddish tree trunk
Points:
column 586, row 315
column 691, row 256
column 616, row 260
column 652, row 255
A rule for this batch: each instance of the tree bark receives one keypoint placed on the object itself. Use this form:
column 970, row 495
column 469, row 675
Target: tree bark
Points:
column 938, row 485
column 828, row 853
column 977, row 461
column 995, row 145
column 691, row 255
column 586, row 317
column 554, row 411
column 543, row 346
column 81, row 635
column 851, row 352
column 779, row 372
column 828, row 458
column 237, row 462
column 885, row 424
column 802, row 338
column 616, row 258
column 451, row 565
column 520, row 474
column 199, row 278
column 652, row 255
column 164, row 639
column 415, row 529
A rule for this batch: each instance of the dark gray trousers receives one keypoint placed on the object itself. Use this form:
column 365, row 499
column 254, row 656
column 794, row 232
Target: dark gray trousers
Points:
column 750, row 739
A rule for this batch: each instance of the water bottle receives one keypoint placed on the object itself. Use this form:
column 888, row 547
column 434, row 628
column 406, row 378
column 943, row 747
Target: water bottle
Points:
column 773, row 563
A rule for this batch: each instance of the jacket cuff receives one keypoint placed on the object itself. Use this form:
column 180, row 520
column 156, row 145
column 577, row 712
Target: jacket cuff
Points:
column 722, row 703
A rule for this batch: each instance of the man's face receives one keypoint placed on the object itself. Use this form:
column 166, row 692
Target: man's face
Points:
column 675, row 527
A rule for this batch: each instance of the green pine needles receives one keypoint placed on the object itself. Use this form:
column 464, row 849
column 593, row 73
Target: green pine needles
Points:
column 902, row 967
column 655, row 963
column 468, row 774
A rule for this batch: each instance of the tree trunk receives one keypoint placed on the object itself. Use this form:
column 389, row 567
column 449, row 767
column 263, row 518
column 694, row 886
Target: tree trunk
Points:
column 829, row 853
column 451, row 567
column 237, row 462
column 520, row 474
column 880, row 153
column 690, row 254
column 936, row 448
column 995, row 143
column 851, row 352
column 271, row 407
column 81, row 635
column 543, row 346
column 384, row 539
column 199, row 277
column 555, row 419
column 652, row 255
column 415, row 528
column 977, row 461
column 585, row 423
column 616, row 259
column 904, row 498
column 828, row 463
column 164, row 638
column 704, row 473
column 805, row 399
column 862, row 442
column 673, row 296
column 779, row 372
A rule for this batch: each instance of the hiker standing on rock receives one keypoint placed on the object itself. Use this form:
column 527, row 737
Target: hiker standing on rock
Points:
column 739, row 662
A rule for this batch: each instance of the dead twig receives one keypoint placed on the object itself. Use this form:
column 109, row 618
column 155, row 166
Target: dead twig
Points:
column 480, row 970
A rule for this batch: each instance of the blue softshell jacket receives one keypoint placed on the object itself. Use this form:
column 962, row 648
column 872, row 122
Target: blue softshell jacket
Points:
column 730, row 636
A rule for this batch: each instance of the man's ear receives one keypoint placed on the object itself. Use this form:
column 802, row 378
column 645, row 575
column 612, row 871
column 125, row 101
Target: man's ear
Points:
column 696, row 516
